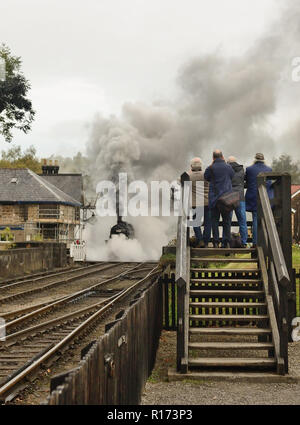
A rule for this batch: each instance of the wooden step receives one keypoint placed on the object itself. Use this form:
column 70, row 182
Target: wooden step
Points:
column 216, row 280
column 232, row 362
column 231, row 345
column 222, row 251
column 229, row 317
column 227, row 292
column 223, row 260
column 209, row 304
column 224, row 270
column 230, row 331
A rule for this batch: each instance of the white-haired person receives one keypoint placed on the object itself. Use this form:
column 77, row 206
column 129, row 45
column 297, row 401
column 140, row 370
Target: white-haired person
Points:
column 200, row 190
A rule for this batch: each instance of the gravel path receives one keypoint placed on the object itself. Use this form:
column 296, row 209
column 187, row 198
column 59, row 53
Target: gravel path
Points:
column 160, row 392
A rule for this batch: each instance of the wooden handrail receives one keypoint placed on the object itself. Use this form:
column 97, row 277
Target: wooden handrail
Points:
column 183, row 277
column 272, row 314
column 275, row 245
column 275, row 274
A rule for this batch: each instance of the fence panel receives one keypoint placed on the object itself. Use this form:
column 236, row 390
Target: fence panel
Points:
column 116, row 368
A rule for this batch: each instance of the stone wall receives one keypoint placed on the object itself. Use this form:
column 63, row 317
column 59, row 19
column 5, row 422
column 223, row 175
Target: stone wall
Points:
column 31, row 258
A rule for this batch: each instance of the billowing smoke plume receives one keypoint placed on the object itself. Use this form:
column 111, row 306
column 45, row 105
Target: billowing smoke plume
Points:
column 226, row 103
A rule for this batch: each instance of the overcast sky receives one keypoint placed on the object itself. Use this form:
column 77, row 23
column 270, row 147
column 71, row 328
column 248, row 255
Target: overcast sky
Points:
column 84, row 57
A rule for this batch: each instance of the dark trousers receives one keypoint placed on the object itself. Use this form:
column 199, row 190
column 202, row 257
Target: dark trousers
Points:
column 215, row 218
column 205, row 236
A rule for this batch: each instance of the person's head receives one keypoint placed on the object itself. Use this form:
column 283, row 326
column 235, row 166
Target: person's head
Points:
column 196, row 164
column 217, row 154
column 231, row 159
column 259, row 157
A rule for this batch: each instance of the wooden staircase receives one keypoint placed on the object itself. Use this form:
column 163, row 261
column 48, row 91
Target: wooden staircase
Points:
column 229, row 324
column 237, row 317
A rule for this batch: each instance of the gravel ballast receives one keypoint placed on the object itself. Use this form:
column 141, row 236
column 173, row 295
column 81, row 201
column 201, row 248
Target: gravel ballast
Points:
column 159, row 391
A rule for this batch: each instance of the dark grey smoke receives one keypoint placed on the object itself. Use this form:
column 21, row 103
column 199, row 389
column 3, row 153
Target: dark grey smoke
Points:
column 230, row 103
column 223, row 102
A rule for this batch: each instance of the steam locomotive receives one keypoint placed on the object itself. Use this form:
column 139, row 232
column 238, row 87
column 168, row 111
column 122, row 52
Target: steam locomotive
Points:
column 122, row 228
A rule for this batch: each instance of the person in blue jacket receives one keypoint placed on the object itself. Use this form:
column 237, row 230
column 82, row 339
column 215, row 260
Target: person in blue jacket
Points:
column 220, row 175
column 252, row 172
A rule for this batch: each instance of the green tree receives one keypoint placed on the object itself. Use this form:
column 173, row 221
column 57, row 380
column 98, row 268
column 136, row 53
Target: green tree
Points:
column 285, row 164
column 15, row 108
column 15, row 158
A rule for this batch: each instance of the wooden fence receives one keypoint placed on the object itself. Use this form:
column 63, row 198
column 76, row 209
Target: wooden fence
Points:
column 116, row 367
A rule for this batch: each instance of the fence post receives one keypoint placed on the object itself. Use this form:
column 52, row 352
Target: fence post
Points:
column 283, row 213
column 183, row 278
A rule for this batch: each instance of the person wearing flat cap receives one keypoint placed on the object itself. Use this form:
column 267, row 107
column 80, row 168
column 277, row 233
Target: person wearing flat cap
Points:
column 259, row 166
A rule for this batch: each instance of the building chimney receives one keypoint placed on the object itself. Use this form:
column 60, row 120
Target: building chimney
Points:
column 48, row 168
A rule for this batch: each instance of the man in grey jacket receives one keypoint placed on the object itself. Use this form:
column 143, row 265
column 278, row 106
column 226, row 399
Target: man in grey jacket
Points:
column 238, row 184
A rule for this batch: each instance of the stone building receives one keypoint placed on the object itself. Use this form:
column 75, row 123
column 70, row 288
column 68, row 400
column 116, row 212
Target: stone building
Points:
column 35, row 209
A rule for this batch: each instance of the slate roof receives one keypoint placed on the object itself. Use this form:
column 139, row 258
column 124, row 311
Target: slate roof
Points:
column 30, row 188
column 71, row 184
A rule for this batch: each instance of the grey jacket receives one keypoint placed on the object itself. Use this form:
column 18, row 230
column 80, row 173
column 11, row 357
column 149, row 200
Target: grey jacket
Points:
column 199, row 191
column 238, row 179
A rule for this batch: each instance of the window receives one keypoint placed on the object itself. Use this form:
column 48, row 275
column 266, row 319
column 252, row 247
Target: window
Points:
column 77, row 213
column 49, row 211
column 49, row 231
column 23, row 212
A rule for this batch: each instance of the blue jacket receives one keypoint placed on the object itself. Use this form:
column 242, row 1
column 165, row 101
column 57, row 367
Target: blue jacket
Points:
column 220, row 180
column 251, row 181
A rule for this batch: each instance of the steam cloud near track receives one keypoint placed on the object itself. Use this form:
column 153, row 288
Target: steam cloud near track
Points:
column 227, row 103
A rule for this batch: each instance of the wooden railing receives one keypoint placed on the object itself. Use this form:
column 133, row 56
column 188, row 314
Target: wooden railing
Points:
column 183, row 277
column 273, row 261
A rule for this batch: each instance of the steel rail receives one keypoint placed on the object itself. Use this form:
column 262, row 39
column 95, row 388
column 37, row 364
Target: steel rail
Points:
column 48, row 275
column 54, row 284
column 64, row 317
column 65, row 299
column 14, row 313
column 73, row 334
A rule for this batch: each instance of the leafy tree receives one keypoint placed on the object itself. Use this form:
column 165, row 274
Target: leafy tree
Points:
column 285, row 164
column 15, row 109
column 15, row 158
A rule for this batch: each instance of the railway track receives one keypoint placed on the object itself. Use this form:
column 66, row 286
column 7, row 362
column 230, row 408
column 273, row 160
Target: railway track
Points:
column 79, row 297
column 48, row 273
column 26, row 350
column 17, row 290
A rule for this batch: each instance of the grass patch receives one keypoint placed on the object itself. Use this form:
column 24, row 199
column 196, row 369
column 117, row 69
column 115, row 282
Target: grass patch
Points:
column 154, row 377
column 296, row 257
column 166, row 260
